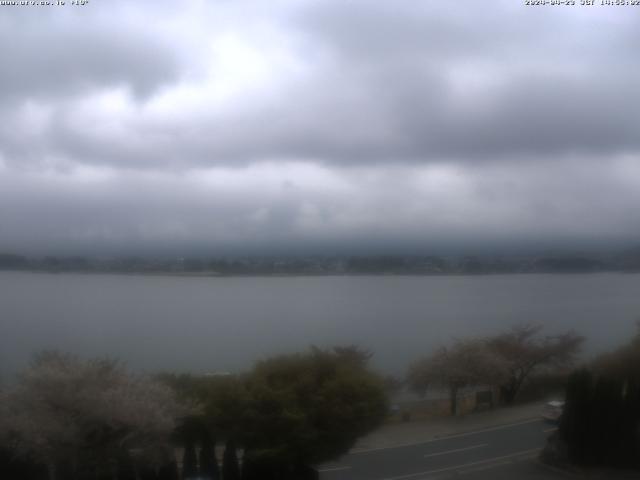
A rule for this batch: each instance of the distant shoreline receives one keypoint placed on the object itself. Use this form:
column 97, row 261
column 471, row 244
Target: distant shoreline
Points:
column 307, row 275
column 322, row 266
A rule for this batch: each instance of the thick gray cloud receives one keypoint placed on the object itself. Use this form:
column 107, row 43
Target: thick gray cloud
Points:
column 61, row 53
column 298, row 207
column 317, row 122
column 361, row 83
column 472, row 81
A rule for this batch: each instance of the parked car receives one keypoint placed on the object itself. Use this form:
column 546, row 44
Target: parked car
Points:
column 552, row 411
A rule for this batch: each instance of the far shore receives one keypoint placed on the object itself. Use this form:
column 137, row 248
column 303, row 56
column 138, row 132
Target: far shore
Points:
column 211, row 274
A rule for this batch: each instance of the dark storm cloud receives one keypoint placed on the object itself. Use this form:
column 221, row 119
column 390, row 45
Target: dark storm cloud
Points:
column 404, row 83
column 317, row 122
column 417, row 83
column 467, row 81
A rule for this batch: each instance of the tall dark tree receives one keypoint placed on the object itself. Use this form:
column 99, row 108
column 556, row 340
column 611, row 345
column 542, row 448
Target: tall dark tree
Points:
column 208, row 461
column 168, row 471
column 230, row 467
column 146, row 471
column 601, row 420
column 189, row 461
column 605, row 421
column 255, row 467
column 621, row 367
column 125, row 467
column 574, row 426
column 13, row 467
column 631, row 429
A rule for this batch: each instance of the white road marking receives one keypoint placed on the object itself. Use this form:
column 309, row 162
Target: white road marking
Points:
column 463, row 465
column 489, row 429
column 456, row 450
column 457, row 435
column 333, row 469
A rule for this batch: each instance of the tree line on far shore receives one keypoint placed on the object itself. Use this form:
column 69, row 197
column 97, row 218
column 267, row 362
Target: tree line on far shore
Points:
column 331, row 265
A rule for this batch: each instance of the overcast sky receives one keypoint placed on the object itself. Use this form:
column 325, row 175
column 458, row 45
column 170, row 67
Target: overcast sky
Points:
column 320, row 125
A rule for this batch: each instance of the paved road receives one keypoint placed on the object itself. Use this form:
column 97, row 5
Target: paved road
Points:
column 496, row 452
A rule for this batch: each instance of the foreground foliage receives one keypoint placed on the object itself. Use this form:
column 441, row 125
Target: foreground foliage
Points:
column 72, row 419
column 601, row 421
column 310, row 408
column 290, row 412
column 83, row 418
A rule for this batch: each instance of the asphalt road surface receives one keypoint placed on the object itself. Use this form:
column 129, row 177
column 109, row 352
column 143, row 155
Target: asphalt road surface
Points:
column 507, row 451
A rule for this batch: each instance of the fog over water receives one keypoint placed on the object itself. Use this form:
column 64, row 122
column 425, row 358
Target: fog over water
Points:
column 224, row 324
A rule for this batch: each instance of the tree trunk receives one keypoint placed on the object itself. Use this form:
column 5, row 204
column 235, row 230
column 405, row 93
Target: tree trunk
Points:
column 51, row 470
column 230, row 467
column 454, row 400
column 511, row 389
column 508, row 394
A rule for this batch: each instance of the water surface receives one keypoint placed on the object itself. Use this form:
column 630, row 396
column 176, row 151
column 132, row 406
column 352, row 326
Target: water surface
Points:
column 224, row 324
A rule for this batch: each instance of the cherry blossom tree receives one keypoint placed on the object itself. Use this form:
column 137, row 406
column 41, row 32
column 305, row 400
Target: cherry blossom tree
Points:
column 82, row 415
column 525, row 351
column 463, row 364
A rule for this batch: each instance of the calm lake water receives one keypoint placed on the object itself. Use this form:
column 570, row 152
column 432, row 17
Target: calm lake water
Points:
column 224, row 324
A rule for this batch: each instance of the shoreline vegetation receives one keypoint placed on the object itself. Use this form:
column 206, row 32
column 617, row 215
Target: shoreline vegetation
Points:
column 274, row 266
column 74, row 419
column 292, row 412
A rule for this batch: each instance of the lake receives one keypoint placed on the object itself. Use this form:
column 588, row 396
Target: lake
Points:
column 224, row 324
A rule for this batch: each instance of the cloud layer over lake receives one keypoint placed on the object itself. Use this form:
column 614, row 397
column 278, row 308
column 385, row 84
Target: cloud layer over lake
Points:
column 172, row 126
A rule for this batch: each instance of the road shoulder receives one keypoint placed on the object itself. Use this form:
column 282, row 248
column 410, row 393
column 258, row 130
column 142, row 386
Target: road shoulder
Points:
column 404, row 434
